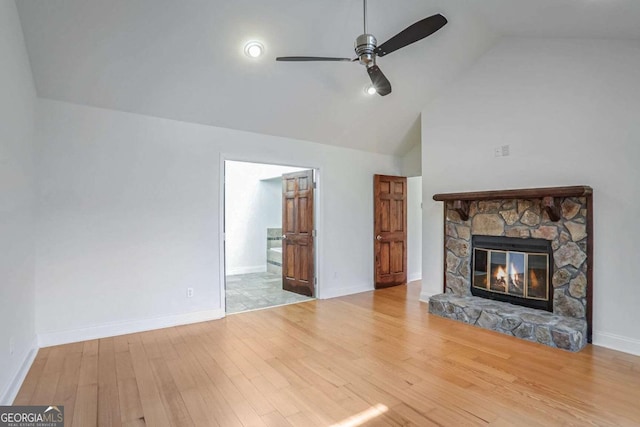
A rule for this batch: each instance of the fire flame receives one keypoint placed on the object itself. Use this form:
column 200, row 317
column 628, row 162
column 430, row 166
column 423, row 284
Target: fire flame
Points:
column 533, row 280
column 514, row 274
column 501, row 274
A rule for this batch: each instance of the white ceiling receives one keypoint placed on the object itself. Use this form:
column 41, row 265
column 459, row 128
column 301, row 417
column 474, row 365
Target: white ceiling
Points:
column 182, row 59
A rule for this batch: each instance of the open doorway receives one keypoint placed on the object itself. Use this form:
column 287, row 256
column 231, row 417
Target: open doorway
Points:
column 258, row 200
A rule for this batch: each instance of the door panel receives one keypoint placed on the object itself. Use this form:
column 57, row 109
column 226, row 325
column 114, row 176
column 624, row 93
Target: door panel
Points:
column 397, row 256
column 303, row 274
column 385, row 214
column 385, row 257
column 289, row 263
column 298, row 270
column 303, row 215
column 390, row 230
column 289, row 214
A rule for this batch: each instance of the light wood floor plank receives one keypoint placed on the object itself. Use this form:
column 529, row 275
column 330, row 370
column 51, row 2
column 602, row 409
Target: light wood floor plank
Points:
column 129, row 398
column 131, row 412
column 85, row 412
column 121, row 343
column 108, row 400
column 375, row 359
column 89, row 364
column 152, row 405
column 193, row 377
column 48, row 380
column 275, row 419
column 171, row 397
column 303, row 420
column 30, row 383
column 260, row 403
column 67, row 388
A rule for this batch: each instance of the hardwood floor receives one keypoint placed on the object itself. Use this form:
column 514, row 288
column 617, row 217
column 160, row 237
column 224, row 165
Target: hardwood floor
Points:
column 376, row 358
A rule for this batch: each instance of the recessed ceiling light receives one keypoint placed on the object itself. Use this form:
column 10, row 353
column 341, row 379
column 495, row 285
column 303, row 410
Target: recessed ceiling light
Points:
column 253, row 49
column 370, row 90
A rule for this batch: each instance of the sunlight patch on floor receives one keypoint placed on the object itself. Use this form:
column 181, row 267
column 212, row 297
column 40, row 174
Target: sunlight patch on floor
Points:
column 362, row 417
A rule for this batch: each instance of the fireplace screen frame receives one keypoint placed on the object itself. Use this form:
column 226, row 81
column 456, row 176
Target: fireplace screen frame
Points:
column 526, row 246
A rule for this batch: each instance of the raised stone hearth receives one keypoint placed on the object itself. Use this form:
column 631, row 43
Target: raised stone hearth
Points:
column 560, row 215
column 540, row 326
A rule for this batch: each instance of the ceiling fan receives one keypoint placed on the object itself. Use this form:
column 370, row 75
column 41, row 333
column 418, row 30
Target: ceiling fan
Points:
column 367, row 49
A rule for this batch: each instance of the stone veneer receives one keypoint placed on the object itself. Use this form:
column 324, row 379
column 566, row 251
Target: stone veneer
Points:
column 524, row 219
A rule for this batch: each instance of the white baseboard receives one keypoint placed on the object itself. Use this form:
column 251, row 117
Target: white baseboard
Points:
column 9, row 394
column 341, row 292
column 617, row 342
column 47, row 339
column 247, row 269
column 413, row 277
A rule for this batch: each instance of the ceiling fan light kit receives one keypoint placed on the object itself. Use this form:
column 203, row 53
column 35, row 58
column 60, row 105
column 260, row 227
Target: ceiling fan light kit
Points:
column 253, row 49
column 367, row 49
column 370, row 89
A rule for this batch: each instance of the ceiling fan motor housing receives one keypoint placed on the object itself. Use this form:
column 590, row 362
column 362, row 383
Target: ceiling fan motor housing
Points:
column 365, row 46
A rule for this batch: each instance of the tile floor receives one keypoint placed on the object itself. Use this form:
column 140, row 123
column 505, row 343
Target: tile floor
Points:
column 257, row 290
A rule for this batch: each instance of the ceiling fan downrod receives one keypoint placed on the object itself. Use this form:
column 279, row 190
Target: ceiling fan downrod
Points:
column 366, row 44
column 364, row 14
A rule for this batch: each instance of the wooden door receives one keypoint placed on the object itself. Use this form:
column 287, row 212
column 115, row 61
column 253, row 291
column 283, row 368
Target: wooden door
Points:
column 390, row 230
column 298, row 273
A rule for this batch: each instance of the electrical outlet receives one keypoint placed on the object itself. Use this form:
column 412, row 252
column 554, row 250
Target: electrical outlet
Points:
column 12, row 346
column 189, row 292
column 501, row 151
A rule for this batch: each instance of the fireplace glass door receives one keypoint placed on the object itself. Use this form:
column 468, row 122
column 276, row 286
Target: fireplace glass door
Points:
column 513, row 270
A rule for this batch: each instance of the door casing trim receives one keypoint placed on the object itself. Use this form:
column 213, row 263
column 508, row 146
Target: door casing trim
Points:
column 317, row 210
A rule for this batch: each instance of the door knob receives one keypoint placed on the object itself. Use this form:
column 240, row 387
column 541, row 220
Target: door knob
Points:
column 284, row 236
column 378, row 237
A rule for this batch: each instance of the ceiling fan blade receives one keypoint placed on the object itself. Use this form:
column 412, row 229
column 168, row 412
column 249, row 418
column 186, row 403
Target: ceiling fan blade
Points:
column 380, row 82
column 412, row 34
column 311, row 58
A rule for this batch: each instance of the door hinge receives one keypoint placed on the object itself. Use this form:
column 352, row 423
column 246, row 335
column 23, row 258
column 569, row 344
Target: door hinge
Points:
column 315, row 184
column 313, row 233
column 315, row 280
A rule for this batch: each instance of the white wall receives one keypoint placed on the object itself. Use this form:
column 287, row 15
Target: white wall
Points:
column 17, row 113
column 131, row 218
column 411, row 162
column 272, row 198
column 570, row 110
column 253, row 203
column 414, row 228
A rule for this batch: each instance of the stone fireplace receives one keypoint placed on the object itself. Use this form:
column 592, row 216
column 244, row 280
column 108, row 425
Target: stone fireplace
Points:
column 519, row 262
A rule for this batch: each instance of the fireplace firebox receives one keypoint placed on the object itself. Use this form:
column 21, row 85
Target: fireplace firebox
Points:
column 513, row 270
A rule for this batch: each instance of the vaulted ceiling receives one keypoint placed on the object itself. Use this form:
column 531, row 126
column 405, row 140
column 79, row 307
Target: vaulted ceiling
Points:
column 183, row 60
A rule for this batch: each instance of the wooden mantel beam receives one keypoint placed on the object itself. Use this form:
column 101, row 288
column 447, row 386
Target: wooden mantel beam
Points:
column 525, row 193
